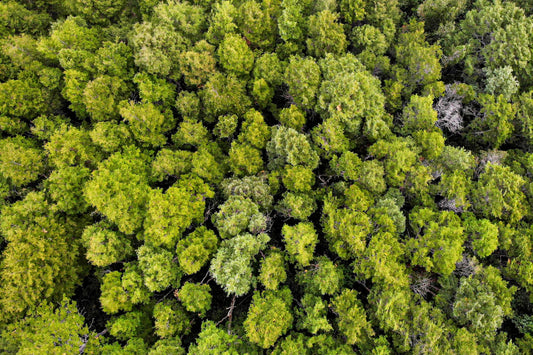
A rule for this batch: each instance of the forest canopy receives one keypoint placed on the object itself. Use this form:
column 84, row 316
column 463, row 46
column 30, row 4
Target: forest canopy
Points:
column 266, row 177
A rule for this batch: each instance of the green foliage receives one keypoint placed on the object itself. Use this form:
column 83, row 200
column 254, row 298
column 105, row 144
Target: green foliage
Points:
column 255, row 188
column 50, row 330
column 158, row 268
column 303, row 78
column 289, row 146
column 498, row 193
column 235, row 56
column 147, row 123
column 418, row 63
column 22, row 161
column 438, row 240
column 129, row 325
column 120, row 291
column 269, row 317
column 197, row 64
column 352, row 320
column 493, row 125
column 194, row 250
column 237, row 215
column 272, row 272
column 244, row 159
column 42, row 252
column 484, row 235
column 350, row 94
column 346, row 230
column 300, row 242
column 213, row 340
column 147, row 148
column 312, row 314
column 254, row 130
column 195, row 297
column 104, row 245
column 322, row 277
column 119, row 189
column 325, row 35
column 70, row 146
column 292, row 117
column 297, row 205
column 482, row 301
column 171, row 212
column 65, row 187
column 223, row 95
column 170, row 319
column 231, row 266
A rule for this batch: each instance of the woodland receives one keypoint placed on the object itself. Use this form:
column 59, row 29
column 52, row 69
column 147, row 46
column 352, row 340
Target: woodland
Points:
column 266, row 177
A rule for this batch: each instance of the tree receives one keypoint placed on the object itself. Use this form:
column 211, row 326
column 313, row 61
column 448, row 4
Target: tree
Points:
column 71, row 146
column 292, row 117
column 254, row 130
column 120, row 291
column 195, row 297
column 300, row 242
column 255, row 188
column 158, row 268
column 52, row 330
column 102, row 95
column 483, row 234
column 482, row 301
column 498, row 193
column 198, row 64
column 346, row 230
column 222, row 21
column 325, row 35
column 244, row 159
column 170, row 319
column 297, row 205
column 272, row 272
column 110, row 137
column 303, row 78
column 213, row 340
column 289, row 146
column 235, row 56
column 323, row 277
column 257, row 22
column 130, row 325
column 104, row 245
column 65, row 187
column 231, row 266
column 398, row 158
column 147, row 123
column 171, row 212
column 223, row 95
column 237, row 215
column 119, row 189
column 418, row 63
column 312, row 314
column 41, row 259
column 438, row 242
column 22, row 161
column 492, row 127
column 269, row 317
column 352, row 319
column 195, row 250
column 171, row 164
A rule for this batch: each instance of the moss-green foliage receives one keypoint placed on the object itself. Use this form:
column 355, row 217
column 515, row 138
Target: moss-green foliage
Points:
column 269, row 317
column 195, row 297
column 280, row 176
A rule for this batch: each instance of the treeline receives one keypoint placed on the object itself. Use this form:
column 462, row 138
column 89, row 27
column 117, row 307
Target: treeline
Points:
column 276, row 176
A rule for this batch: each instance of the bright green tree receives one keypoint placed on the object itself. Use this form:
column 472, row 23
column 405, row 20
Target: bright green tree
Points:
column 269, row 317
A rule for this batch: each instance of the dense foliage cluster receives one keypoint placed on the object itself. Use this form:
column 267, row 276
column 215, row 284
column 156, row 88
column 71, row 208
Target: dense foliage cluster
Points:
column 266, row 176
